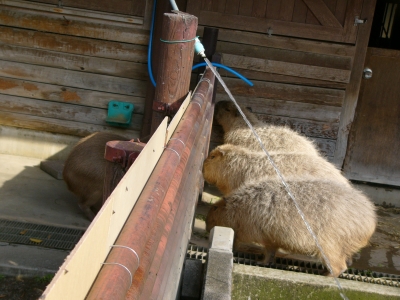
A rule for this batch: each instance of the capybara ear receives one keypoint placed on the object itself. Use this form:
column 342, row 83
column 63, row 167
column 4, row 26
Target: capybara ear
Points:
column 220, row 151
column 215, row 153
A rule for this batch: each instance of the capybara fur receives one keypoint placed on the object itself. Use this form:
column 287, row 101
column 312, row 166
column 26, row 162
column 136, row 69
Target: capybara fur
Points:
column 261, row 212
column 228, row 166
column 84, row 170
column 274, row 138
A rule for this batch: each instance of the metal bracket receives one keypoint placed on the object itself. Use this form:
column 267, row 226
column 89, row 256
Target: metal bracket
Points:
column 358, row 21
column 123, row 152
column 169, row 109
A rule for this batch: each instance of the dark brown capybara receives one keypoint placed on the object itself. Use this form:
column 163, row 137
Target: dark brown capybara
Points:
column 84, row 170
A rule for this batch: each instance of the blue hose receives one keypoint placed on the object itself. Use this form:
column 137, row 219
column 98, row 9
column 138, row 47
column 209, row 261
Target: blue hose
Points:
column 149, row 67
column 225, row 68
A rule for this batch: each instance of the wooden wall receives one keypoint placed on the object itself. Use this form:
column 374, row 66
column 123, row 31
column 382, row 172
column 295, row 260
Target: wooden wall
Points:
column 299, row 55
column 60, row 66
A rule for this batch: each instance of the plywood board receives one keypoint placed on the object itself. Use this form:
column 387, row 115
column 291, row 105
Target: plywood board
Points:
column 129, row 188
column 176, row 119
column 78, row 272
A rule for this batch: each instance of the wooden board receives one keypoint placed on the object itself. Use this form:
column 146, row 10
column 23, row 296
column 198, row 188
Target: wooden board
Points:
column 285, row 68
column 285, row 55
column 311, row 19
column 282, row 42
column 288, row 92
column 69, row 78
column 57, row 93
column 135, row 16
column 73, row 25
column 353, row 88
column 262, row 76
column 78, row 272
column 59, row 126
column 73, row 45
column 84, row 64
column 288, row 109
column 374, row 142
column 69, row 112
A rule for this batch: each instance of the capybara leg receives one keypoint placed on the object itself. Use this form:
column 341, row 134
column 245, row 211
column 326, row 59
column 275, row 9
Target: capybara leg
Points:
column 88, row 212
column 338, row 267
column 349, row 261
column 269, row 257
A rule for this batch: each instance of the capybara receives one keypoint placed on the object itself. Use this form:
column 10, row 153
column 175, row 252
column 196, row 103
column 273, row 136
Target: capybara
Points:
column 85, row 168
column 228, row 166
column 274, row 138
column 261, row 212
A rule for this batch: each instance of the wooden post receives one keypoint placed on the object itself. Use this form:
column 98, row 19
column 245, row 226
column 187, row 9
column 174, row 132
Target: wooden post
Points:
column 162, row 7
column 175, row 62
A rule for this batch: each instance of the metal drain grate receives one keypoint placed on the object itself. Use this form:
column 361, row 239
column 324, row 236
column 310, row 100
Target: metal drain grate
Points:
column 196, row 252
column 39, row 235
column 251, row 259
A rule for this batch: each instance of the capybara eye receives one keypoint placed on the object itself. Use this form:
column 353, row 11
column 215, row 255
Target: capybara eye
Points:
column 212, row 156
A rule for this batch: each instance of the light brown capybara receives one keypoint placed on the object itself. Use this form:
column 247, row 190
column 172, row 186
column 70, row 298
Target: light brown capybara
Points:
column 84, row 170
column 274, row 138
column 261, row 212
column 228, row 166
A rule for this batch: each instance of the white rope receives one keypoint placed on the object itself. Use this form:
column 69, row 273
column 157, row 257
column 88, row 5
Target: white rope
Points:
column 328, row 264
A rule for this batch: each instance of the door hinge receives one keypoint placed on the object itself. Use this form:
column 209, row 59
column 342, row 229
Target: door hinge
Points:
column 358, row 21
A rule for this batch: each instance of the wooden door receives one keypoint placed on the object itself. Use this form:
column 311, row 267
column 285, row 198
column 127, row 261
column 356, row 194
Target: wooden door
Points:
column 373, row 152
column 328, row 20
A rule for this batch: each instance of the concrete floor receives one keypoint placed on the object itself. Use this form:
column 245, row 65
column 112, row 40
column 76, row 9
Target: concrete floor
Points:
column 28, row 194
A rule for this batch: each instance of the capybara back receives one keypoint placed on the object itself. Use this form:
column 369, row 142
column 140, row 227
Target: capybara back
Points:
column 84, row 170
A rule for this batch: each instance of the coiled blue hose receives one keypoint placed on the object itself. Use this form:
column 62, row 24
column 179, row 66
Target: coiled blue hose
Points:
column 225, row 68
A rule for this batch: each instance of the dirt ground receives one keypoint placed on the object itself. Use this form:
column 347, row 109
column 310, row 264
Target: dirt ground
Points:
column 22, row 288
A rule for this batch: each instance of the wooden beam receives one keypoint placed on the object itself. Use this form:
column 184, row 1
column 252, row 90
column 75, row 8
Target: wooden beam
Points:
column 353, row 88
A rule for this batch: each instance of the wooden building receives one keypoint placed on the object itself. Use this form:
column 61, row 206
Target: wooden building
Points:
column 62, row 61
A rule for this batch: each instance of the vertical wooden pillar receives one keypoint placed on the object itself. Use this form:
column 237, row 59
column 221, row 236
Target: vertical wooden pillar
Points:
column 175, row 61
column 162, row 7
